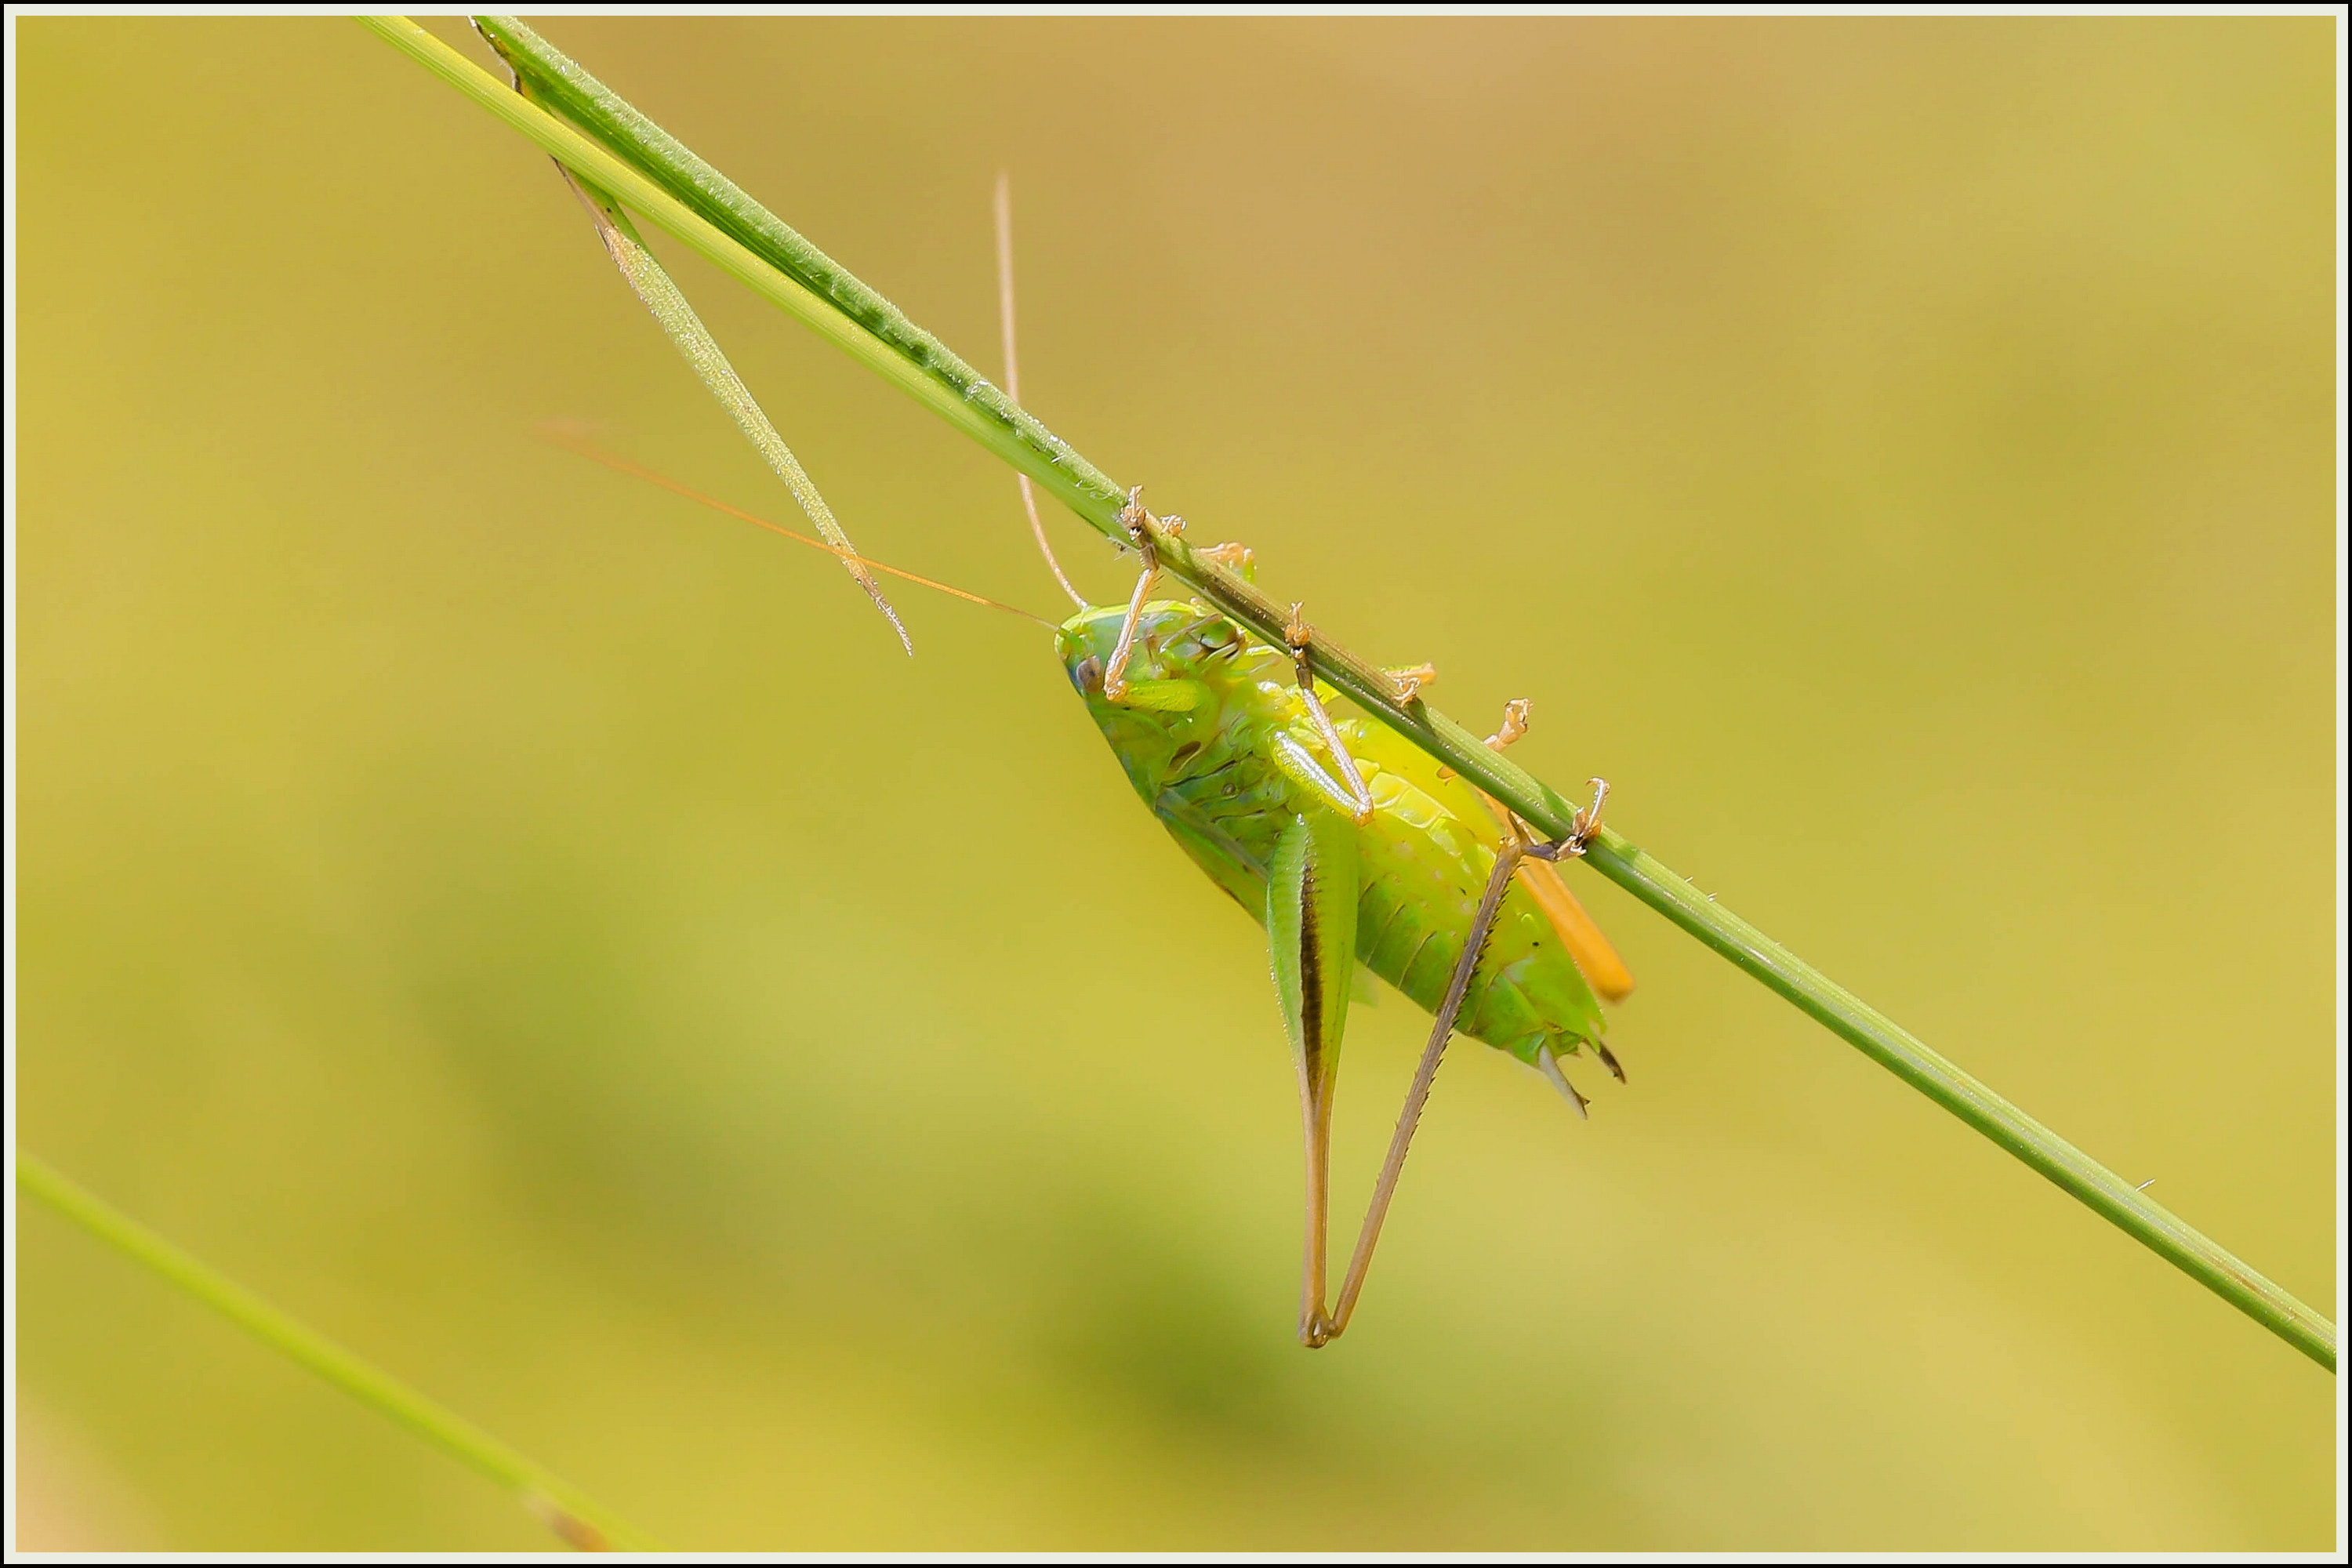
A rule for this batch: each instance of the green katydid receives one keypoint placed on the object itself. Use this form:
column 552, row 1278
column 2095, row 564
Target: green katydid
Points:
column 1350, row 847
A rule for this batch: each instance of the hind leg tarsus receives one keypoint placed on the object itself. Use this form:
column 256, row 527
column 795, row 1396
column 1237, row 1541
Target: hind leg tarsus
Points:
column 1586, row 823
column 1410, row 679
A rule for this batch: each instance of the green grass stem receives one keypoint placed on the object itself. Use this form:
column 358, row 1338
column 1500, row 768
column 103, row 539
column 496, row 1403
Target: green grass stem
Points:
column 656, row 290
column 575, row 1518
column 609, row 143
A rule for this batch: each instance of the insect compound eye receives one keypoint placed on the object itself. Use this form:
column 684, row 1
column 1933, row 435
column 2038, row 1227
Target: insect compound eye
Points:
column 1087, row 675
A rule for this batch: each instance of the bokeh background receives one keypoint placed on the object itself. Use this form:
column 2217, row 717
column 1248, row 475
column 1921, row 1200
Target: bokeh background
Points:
column 547, row 935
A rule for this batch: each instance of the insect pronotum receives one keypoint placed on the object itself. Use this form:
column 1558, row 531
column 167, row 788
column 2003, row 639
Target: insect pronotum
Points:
column 1354, row 850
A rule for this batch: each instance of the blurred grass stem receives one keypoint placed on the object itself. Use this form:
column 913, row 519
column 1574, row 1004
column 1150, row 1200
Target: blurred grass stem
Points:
column 576, row 1519
column 605, row 140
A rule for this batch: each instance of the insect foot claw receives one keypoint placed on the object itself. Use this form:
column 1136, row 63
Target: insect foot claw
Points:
column 1318, row 1331
column 1132, row 516
column 1515, row 723
column 1582, row 830
column 1587, row 823
column 1411, row 679
column 1296, row 633
column 1238, row 559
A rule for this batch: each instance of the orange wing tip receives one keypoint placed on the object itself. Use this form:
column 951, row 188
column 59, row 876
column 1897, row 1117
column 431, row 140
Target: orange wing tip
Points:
column 1602, row 969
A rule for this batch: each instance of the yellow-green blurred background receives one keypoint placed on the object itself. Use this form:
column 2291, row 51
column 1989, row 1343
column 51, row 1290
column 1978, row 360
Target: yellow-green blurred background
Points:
column 548, row 937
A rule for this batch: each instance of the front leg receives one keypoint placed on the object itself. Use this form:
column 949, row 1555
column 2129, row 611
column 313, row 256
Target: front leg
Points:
column 1139, row 529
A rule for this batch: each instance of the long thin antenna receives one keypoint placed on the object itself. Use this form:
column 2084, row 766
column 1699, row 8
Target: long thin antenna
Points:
column 1012, row 369
column 659, row 294
column 557, row 434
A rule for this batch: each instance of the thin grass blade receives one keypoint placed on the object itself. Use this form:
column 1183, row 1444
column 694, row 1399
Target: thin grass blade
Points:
column 575, row 1518
column 653, row 286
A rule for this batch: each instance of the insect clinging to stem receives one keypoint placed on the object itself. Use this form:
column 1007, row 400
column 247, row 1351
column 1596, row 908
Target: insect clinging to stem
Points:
column 1356, row 851
column 1348, row 845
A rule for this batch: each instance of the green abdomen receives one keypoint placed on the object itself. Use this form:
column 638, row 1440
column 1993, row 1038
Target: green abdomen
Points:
column 1423, row 871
